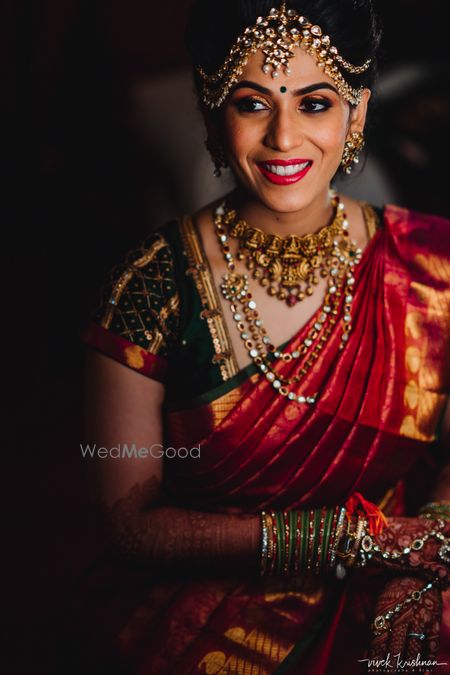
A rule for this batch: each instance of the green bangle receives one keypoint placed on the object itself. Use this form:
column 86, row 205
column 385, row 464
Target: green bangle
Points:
column 280, row 536
column 435, row 515
column 292, row 537
column 317, row 519
column 326, row 538
column 440, row 509
column 274, row 565
column 304, row 531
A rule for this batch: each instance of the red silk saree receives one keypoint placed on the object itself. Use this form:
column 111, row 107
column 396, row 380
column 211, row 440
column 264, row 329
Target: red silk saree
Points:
column 374, row 429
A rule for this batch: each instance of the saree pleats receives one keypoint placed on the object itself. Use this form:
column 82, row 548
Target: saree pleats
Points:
column 366, row 430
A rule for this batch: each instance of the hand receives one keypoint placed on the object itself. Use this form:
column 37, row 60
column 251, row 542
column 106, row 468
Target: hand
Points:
column 426, row 561
column 420, row 617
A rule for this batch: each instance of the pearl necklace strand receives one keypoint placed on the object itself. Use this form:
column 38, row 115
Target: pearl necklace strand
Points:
column 344, row 257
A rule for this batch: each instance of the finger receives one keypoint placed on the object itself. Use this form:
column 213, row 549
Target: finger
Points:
column 426, row 648
column 432, row 604
column 378, row 647
column 397, row 640
column 432, row 641
column 415, row 645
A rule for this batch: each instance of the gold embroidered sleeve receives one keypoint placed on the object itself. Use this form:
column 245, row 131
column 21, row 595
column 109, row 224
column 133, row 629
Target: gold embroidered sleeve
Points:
column 141, row 302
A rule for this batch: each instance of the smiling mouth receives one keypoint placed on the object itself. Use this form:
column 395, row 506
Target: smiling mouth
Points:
column 283, row 173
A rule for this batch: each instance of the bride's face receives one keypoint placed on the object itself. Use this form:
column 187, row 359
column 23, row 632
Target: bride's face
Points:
column 284, row 136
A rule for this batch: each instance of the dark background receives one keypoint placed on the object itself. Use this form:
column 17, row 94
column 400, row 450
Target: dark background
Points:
column 78, row 177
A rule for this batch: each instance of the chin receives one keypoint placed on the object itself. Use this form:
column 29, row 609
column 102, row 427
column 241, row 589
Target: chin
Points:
column 286, row 199
column 285, row 202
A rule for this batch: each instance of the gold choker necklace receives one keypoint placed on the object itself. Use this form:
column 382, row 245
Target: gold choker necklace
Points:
column 287, row 266
column 342, row 260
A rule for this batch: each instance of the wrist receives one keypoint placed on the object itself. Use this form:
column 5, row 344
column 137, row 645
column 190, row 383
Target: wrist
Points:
column 297, row 541
column 319, row 540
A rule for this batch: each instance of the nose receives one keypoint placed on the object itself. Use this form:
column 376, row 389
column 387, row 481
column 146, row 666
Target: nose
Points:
column 284, row 131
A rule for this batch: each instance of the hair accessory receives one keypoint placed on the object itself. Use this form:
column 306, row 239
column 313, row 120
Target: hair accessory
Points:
column 276, row 35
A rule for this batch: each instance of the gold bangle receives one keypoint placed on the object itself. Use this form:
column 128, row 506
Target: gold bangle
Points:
column 337, row 537
column 264, row 544
column 360, row 531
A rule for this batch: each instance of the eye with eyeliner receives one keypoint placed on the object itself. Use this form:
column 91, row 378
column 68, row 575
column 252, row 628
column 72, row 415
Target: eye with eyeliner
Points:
column 315, row 105
column 248, row 104
column 310, row 105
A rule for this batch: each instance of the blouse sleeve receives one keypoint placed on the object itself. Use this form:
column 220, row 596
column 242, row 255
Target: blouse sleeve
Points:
column 137, row 320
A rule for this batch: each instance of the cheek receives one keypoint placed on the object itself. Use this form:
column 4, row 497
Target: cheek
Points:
column 330, row 138
column 328, row 132
column 240, row 137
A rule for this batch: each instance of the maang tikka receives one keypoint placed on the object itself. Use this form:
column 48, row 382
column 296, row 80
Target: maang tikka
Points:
column 276, row 35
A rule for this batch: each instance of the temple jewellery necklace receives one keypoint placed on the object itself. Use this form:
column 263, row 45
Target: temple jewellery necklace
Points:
column 288, row 261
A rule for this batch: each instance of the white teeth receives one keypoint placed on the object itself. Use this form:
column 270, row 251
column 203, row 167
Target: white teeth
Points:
column 287, row 170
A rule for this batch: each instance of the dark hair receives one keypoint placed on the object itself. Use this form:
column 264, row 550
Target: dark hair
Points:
column 352, row 25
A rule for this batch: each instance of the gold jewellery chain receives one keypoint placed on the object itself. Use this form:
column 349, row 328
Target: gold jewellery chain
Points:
column 288, row 267
column 340, row 263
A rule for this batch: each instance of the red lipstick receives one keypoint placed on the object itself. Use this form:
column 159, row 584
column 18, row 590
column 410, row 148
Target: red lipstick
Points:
column 289, row 179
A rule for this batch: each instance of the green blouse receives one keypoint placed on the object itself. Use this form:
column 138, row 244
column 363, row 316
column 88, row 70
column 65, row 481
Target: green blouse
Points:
column 162, row 302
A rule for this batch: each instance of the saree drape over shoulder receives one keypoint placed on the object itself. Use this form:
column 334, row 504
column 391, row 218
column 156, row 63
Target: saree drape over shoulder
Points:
column 374, row 429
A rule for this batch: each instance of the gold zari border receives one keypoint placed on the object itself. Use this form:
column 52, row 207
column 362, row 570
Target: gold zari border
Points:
column 198, row 268
column 371, row 219
column 155, row 336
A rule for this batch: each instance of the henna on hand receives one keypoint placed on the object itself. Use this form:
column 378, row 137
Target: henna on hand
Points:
column 399, row 534
column 143, row 532
column 421, row 617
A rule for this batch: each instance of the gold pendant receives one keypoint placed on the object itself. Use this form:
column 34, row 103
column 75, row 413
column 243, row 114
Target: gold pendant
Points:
column 234, row 286
column 287, row 266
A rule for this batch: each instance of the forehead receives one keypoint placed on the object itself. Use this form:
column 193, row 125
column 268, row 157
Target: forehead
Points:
column 303, row 66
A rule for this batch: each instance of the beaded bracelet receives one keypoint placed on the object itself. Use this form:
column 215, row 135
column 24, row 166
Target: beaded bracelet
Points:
column 381, row 623
column 370, row 548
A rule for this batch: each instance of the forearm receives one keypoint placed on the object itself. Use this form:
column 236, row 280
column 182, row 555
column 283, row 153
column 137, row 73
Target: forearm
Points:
column 286, row 543
column 173, row 537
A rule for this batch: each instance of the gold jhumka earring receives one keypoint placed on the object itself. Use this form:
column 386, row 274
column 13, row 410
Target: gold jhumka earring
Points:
column 352, row 148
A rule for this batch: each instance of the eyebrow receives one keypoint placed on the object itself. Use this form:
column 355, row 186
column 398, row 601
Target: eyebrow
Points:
column 297, row 92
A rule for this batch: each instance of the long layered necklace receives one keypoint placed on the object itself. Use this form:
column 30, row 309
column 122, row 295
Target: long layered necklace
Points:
column 339, row 263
